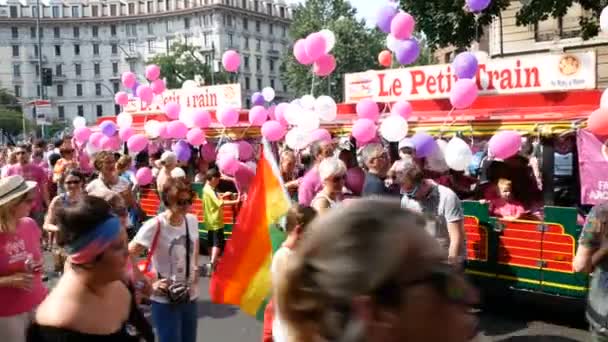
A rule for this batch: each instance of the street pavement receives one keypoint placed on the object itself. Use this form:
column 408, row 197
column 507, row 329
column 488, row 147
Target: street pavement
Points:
column 506, row 320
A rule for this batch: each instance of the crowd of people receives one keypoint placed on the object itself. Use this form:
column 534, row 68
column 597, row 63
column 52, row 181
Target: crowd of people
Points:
column 337, row 275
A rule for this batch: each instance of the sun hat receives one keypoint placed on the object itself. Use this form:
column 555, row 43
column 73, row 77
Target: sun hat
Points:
column 168, row 157
column 14, row 186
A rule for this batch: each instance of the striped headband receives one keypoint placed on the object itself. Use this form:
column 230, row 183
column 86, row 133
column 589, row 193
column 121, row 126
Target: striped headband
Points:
column 86, row 248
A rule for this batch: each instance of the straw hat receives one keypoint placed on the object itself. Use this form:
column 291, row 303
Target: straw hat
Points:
column 12, row 187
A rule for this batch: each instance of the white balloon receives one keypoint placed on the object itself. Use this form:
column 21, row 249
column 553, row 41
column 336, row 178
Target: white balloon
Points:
column 458, row 154
column 604, row 19
column 394, row 128
column 178, row 172
column 292, row 112
column 152, row 128
column 308, row 121
column 124, row 120
column 268, row 94
column 326, row 108
column 187, row 118
column 230, row 149
column 189, row 84
column 436, row 161
column 307, row 101
column 391, row 42
column 91, row 150
column 330, row 39
column 79, row 122
column 296, row 139
column 604, row 99
column 442, row 144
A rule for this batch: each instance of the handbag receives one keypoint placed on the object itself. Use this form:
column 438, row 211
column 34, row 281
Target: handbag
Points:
column 145, row 265
column 179, row 292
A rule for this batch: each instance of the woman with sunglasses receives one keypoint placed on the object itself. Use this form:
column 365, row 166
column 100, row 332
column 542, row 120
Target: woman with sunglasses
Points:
column 91, row 301
column 349, row 280
column 171, row 238
column 105, row 164
column 21, row 288
column 332, row 172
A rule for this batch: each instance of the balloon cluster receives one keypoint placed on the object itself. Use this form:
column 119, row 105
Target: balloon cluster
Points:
column 315, row 49
column 597, row 122
column 144, row 92
column 465, row 90
column 399, row 26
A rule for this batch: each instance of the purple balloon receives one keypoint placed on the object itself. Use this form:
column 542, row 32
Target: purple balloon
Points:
column 407, row 51
column 424, row 143
column 478, row 5
column 182, row 150
column 384, row 16
column 465, row 65
column 257, row 99
column 108, row 128
column 134, row 89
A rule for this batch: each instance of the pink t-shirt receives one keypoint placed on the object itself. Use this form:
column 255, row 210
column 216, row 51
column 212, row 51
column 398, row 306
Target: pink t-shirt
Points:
column 34, row 173
column 15, row 249
column 309, row 186
column 506, row 208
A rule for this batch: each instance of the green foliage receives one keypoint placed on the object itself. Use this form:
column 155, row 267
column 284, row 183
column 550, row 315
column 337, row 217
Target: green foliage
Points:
column 183, row 63
column 11, row 118
column 448, row 23
column 357, row 47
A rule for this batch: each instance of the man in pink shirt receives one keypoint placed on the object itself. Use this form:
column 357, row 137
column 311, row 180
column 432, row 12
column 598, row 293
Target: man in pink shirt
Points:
column 311, row 182
column 34, row 173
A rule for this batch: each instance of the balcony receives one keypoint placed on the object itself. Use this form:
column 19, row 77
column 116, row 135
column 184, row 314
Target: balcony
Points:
column 59, row 78
column 132, row 55
column 273, row 52
column 32, row 58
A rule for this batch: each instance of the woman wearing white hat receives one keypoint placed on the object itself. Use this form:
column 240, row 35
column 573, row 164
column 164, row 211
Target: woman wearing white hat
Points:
column 21, row 288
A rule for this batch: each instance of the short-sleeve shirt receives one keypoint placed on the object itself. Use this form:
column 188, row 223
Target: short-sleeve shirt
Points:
column 169, row 257
column 374, row 186
column 506, row 208
column 442, row 205
column 310, row 186
column 212, row 209
column 34, row 173
column 97, row 185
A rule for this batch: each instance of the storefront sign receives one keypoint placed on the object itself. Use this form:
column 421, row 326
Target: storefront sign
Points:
column 593, row 166
column 524, row 74
column 209, row 98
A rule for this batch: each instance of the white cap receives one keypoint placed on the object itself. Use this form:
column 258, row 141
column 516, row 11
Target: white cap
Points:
column 406, row 143
column 178, row 172
column 168, row 157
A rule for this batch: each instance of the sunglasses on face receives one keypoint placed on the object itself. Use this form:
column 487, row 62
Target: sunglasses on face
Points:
column 184, row 202
column 75, row 182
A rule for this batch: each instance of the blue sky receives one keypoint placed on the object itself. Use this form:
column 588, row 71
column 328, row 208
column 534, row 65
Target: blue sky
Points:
column 365, row 8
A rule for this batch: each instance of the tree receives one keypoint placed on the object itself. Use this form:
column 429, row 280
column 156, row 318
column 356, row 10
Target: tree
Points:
column 448, row 23
column 356, row 49
column 11, row 117
column 185, row 62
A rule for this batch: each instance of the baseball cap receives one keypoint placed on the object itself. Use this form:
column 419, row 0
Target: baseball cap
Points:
column 406, row 143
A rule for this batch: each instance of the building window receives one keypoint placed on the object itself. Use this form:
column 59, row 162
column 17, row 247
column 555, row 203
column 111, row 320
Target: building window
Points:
column 97, row 89
column 116, row 109
column 113, row 10
column 56, row 32
column 246, row 42
column 37, row 70
column 17, row 91
column 258, row 64
column 97, row 69
column 259, row 83
column 123, row 9
column 256, row 5
column 95, row 11
column 95, row 31
column 75, row 11
column 57, row 50
column 113, row 30
column 271, row 65
column 245, row 24
column 269, row 9
column 79, row 89
column 76, row 49
column 246, row 62
column 149, row 7
column 33, row 32
column 61, row 112
column 132, row 30
column 58, row 70
column 247, row 83
column 271, row 28
column 244, row 4
column 150, row 29
column 55, row 12
column 96, row 49
column 230, row 40
column 14, row 12
column 151, row 45
column 35, row 50
column 15, row 50
column 132, row 66
column 116, row 86
column 272, row 83
column 205, row 20
column 76, row 32
column 114, row 49
column 258, row 26
column 131, row 8
column 80, row 110
column 60, row 90
column 16, row 70
column 284, row 31
column 15, row 32
column 78, row 69
column 186, row 23
column 282, row 12
column 114, row 68
column 258, row 44
column 38, row 90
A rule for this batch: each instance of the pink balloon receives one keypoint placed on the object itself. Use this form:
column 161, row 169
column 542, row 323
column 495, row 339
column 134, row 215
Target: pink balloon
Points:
column 245, row 150
column 128, row 79
column 110, row 143
column 243, row 177
column 125, row 133
column 208, row 151
column 82, row 134
column 364, row 130
column 163, row 133
column 144, row 176
column 402, row 108
column 231, row 60
column 324, row 65
column 195, row 136
column 504, row 144
column 368, row 109
column 201, row 118
column 172, row 110
column 258, row 115
column 279, row 113
column 121, row 98
column 158, row 86
column 299, row 52
column 145, row 93
column 355, row 177
column 152, row 72
column 228, row 117
column 315, row 45
column 137, row 143
column 320, row 134
column 231, row 149
column 227, row 164
column 95, row 139
column 271, row 110
column 402, row 26
column 177, row 129
column 464, row 93
column 273, row 130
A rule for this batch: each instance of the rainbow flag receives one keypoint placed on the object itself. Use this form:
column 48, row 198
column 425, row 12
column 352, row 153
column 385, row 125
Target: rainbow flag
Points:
column 242, row 276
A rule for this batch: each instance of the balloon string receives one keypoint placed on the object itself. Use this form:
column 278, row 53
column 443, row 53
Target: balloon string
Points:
column 244, row 132
column 447, row 117
column 219, row 143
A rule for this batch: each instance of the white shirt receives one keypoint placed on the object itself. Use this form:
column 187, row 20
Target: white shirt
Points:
column 277, row 269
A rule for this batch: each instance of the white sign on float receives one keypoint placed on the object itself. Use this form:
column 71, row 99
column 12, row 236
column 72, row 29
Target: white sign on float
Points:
column 208, row 98
column 527, row 74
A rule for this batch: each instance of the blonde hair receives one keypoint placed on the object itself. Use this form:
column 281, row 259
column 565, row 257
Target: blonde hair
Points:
column 356, row 251
column 331, row 167
column 7, row 211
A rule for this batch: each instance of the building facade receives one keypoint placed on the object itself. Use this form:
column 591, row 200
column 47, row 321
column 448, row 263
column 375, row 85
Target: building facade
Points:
column 88, row 44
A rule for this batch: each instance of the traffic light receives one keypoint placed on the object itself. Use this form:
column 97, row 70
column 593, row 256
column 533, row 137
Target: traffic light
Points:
column 47, row 77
